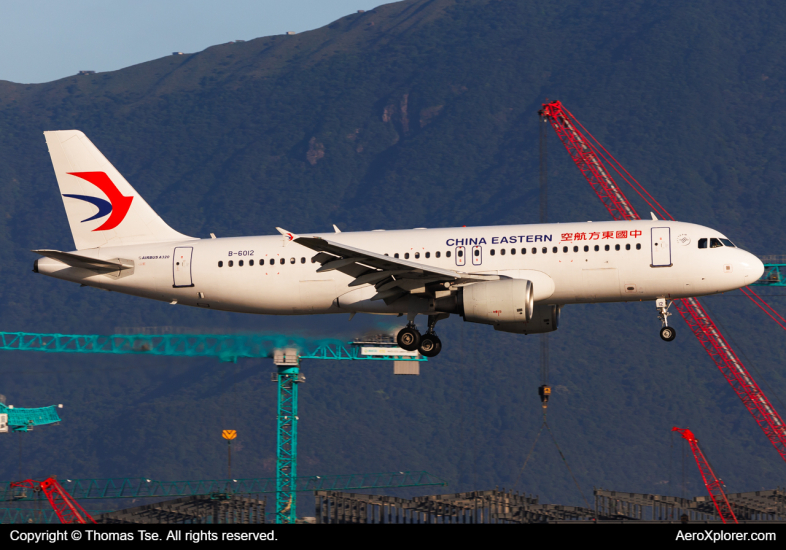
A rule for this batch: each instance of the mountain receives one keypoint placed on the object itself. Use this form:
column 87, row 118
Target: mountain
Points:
column 417, row 113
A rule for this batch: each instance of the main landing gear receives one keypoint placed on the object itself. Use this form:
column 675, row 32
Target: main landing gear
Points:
column 429, row 344
column 667, row 333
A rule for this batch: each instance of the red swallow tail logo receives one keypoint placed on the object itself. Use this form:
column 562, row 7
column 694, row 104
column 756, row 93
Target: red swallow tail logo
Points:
column 117, row 207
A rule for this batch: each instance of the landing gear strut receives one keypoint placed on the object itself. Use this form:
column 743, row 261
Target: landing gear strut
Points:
column 667, row 333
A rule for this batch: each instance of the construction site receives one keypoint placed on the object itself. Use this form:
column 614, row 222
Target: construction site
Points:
column 368, row 498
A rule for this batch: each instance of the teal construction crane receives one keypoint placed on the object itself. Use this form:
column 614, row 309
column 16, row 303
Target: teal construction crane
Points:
column 774, row 271
column 137, row 488
column 285, row 350
column 23, row 420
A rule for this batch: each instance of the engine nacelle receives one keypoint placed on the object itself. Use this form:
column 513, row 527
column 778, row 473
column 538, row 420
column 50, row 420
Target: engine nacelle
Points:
column 495, row 302
column 545, row 318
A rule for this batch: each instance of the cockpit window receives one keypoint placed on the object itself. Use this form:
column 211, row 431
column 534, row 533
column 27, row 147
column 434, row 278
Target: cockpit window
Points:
column 727, row 242
column 702, row 243
column 715, row 243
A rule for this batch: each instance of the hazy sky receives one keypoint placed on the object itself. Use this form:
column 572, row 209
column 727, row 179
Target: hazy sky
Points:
column 44, row 40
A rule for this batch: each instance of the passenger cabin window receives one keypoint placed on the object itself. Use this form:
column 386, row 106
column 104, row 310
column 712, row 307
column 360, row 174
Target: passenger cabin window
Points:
column 616, row 247
column 406, row 255
column 395, row 255
column 523, row 250
column 477, row 252
column 492, row 252
column 447, row 254
column 564, row 248
column 627, row 247
column 281, row 261
column 240, row 263
column 575, row 249
column 534, row 250
column 715, row 243
column 460, row 253
column 231, row 263
column 292, row 260
column 586, row 248
column 513, row 251
column 544, row 250
column 272, row 261
column 417, row 255
column 428, row 255
column 220, row 264
column 638, row 246
column 702, row 243
column 554, row 250
column 437, row 254
column 597, row 248
column 302, row 260
column 606, row 248
column 250, row 262
column 502, row 251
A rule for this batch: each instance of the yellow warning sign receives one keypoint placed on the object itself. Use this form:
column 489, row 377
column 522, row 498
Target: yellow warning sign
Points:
column 229, row 434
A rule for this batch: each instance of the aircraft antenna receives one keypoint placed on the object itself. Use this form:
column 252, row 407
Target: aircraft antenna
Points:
column 593, row 160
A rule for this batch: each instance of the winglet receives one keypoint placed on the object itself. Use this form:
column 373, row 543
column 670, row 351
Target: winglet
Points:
column 289, row 235
column 335, row 227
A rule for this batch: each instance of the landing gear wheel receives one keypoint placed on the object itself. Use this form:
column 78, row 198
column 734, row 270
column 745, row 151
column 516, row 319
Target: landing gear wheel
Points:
column 408, row 338
column 430, row 345
column 668, row 333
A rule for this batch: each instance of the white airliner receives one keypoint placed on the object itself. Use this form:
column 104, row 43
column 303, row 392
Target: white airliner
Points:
column 514, row 277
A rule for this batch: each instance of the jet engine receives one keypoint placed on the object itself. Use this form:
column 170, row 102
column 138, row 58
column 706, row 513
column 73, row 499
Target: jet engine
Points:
column 545, row 318
column 491, row 303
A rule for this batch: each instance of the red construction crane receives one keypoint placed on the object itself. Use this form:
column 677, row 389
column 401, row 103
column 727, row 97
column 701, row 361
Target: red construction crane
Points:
column 711, row 482
column 593, row 160
column 66, row 508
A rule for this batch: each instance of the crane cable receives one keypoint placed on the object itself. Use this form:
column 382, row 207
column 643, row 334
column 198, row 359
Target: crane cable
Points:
column 544, row 391
column 545, row 424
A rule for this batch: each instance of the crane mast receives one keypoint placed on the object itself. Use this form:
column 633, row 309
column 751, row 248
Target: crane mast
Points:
column 588, row 154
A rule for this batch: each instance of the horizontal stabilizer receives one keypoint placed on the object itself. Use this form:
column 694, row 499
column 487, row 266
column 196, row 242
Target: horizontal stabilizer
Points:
column 75, row 260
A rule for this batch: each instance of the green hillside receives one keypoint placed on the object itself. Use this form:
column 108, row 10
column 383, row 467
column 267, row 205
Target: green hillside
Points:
column 418, row 113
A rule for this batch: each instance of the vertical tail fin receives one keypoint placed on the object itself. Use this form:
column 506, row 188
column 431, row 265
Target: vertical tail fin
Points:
column 88, row 182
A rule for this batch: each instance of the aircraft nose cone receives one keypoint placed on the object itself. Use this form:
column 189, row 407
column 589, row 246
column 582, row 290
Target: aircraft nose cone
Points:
column 759, row 269
column 754, row 268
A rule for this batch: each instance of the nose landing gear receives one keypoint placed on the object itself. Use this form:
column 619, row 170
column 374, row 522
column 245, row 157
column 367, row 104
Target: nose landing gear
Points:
column 667, row 333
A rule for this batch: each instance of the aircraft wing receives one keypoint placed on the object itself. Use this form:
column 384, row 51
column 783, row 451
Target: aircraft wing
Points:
column 392, row 277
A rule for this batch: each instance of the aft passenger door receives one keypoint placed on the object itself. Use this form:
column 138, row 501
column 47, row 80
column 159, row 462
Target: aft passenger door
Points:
column 661, row 247
column 181, row 267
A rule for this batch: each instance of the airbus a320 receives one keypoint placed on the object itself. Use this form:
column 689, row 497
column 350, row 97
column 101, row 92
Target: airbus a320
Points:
column 516, row 278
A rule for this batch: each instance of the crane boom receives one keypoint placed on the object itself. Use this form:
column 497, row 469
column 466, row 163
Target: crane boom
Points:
column 67, row 509
column 711, row 482
column 589, row 160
